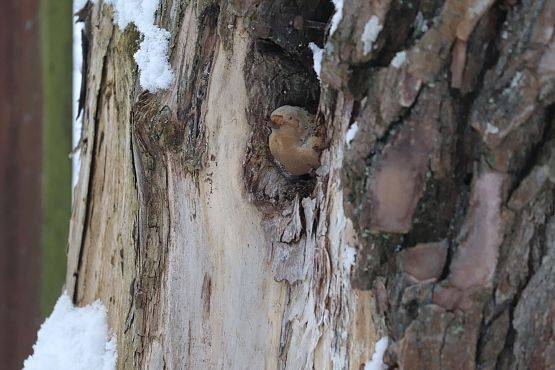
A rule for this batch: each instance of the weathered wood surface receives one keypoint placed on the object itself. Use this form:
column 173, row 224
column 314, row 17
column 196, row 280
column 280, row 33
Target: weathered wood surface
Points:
column 167, row 235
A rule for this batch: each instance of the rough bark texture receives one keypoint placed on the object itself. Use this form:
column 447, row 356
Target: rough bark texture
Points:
column 449, row 181
column 209, row 256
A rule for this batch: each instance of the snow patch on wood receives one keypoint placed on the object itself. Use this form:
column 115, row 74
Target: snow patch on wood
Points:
column 351, row 133
column 74, row 338
column 370, row 33
column 377, row 358
column 317, row 54
column 152, row 57
column 399, row 59
column 491, row 129
column 337, row 16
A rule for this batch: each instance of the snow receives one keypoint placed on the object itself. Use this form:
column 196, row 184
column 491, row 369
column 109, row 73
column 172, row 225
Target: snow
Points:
column 399, row 59
column 370, row 33
column 491, row 129
column 337, row 16
column 74, row 338
column 349, row 256
column 155, row 72
column 351, row 133
column 420, row 23
column 479, row 7
column 78, row 5
column 377, row 358
column 516, row 80
column 77, row 65
column 318, row 54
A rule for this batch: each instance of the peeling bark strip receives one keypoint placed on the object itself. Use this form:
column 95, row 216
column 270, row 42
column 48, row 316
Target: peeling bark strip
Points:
column 150, row 123
column 193, row 89
column 208, row 255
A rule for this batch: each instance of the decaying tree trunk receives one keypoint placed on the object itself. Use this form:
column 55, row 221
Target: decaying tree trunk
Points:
column 207, row 255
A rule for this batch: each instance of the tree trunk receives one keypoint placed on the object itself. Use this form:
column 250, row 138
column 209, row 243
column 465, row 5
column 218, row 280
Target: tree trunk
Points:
column 208, row 255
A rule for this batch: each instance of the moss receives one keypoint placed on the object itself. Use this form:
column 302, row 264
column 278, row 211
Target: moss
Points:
column 130, row 41
column 56, row 41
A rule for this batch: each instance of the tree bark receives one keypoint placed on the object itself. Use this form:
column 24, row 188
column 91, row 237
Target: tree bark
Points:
column 207, row 255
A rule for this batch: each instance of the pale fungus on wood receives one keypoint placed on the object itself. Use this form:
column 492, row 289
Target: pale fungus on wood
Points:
column 295, row 141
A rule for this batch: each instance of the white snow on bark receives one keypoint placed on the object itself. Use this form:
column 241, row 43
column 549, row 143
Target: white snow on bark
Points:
column 516, row 80
column 377, row 358
column 399, row 59
column 155, row 72
column 349, row 257
column 77, row 65
column 479, row 7
column 317, row 54
column 351, row 133
column 370, row 33
column 337, row 16
column 79, row 4
column 491, row 129
column 74, row 338
column 420, row 23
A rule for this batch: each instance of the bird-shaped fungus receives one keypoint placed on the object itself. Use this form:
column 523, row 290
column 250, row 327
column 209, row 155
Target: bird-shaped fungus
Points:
column 295, row 141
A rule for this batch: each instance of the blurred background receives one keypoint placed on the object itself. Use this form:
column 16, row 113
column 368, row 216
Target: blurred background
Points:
column 35, row 166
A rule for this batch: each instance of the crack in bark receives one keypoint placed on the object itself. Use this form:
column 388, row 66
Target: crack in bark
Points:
column 89, row 200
